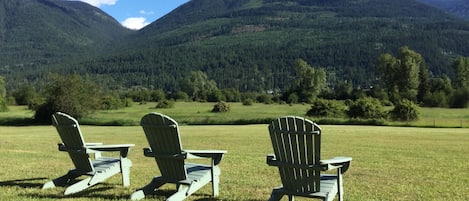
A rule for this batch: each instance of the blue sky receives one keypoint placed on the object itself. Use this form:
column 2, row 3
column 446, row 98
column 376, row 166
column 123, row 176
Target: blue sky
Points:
column 135, row 14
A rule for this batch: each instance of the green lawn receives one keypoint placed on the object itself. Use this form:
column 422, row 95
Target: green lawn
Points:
column 389, row 163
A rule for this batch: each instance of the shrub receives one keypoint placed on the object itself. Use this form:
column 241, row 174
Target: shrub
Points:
column 158, row 95
column 165, row 104
column 248, row 101
column 182, row 96
column 460, row 98
column 264, row 98
column 435, row 99
column 71, row 94
column 367, row 108
column 326, row 108
column 221, row 107
column 110, row 102
column 405, row 110
column 293, row 98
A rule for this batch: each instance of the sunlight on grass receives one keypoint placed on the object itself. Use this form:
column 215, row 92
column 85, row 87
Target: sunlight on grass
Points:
column 389, row 163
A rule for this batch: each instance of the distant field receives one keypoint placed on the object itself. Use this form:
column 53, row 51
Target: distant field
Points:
column 199, row 113
column 389, row 163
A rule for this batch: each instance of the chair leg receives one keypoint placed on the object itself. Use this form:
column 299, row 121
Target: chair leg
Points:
column 276, row 195
column 149, row 189
column 181, row 193
column 340, row 187
column 61, row 181
column 79, row 186
column 125, row 170
column 215, row 181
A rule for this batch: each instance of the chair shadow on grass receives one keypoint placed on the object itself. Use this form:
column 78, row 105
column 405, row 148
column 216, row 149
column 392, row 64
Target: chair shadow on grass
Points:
column 165, row 193
column 97, row 191
column 162, row 193
column 93, row 192
column 24, row 183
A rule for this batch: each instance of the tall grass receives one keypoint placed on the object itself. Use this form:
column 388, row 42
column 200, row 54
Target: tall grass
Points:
column 389, row 163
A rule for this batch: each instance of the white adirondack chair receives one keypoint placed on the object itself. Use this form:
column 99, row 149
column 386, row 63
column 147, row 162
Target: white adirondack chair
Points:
column 162, row 134
column 98, row 169
column 297, row 154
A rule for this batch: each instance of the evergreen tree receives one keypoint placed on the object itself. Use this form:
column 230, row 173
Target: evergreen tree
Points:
column 461, row 68
column 3, row 102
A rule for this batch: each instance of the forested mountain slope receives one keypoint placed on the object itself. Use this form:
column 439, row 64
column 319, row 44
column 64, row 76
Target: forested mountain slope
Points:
column 251, row 44
column 35, row 34
column 456, row 7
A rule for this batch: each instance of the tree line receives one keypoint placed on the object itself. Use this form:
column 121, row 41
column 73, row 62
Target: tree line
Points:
column 404, row 82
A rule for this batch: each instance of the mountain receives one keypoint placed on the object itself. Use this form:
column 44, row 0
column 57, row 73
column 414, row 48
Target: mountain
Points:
column 251, row 44
column 456, row 7
column 36, row 33
column 248, row 45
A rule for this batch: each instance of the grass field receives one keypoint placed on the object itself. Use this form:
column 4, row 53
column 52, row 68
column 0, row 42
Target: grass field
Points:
column 389, row 163
column 199, row 113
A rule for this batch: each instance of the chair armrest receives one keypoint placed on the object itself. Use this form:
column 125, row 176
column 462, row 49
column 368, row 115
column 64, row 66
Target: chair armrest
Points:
column 122, row 148
column 215, row 155
column 93, row 143
column 272, row 161
column 62, row 147
column 337, row 162
column 149, row 153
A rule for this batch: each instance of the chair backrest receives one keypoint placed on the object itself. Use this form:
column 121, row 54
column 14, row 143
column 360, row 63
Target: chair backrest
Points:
column 297, row 144
column 162, row 134
column 70, row 133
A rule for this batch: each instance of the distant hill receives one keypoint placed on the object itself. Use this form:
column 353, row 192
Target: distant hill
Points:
column 242, row 44
column 456, row 7
column 251, row 44
column 37, row 33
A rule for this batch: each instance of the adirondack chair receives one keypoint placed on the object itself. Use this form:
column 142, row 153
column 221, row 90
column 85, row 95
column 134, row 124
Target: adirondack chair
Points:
column 297, row 154
column 162, row 134
column 99, row 169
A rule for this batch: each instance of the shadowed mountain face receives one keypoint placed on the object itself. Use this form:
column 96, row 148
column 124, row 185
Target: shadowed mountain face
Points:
column 252, row 44
column 456, row 7
column 37, row 32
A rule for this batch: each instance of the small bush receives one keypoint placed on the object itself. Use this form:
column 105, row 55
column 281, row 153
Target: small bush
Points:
column 405, row 110
column 326, row 108
column 264, row 98
column 460, row 98
column 293, row 98
column 165, row 104
column 110, row 102
column 221, row 107
column 248, row 101
column 366, row 108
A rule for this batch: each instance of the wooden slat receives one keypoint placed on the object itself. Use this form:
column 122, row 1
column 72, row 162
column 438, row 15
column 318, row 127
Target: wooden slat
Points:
column 297, row 141
column 70, row 134
column 162, row 134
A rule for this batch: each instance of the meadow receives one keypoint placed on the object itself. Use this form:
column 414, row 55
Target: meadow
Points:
column 196, row 113
column 389, row 162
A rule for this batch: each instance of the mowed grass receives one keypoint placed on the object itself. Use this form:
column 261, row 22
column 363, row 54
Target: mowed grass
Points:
column 389, row 163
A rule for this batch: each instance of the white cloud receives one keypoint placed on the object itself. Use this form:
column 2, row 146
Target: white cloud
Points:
column 98, row 3
column 143, row 12
column 135, row 23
